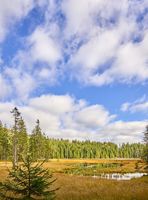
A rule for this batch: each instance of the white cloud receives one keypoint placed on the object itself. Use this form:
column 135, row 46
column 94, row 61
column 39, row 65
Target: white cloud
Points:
column 125, row 106
column 95, row 52
column 94, row 116
column 95, row 38
column 61, row 113
column 140, row 105
column 5, row 116
column 121, row 131
column 53, row 104
column 132, row 62
column 65, row 117
column 35, row 65
column 82, row 18
column 22, row 84
column 108, row 53
column 11, row 12
column 43, row 47
column 5, row 89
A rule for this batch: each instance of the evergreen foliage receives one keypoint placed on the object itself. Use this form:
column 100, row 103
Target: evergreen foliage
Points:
column 38, row 143
column 146, row 144
column 28, row 181
column 91, row 149
column 41, row 147
column 22, row 139
column 4, row 143
column 19, row 137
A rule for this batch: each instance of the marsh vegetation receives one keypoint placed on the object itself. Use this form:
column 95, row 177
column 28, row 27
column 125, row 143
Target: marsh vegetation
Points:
column 77, row 187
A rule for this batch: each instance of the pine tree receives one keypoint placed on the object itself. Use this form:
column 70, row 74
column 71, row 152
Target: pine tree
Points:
column 146, row 144
column 22, row 139
column 4, row 142
column 28, row 181
column 16, row 115
column 38, row 143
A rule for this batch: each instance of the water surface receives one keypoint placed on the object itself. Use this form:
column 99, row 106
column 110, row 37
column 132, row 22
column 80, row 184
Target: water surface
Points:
column 119, row 176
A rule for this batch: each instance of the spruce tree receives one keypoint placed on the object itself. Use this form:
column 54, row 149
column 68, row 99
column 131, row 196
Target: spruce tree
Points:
column 22, row 139
column 146, row 144
column 28, row 181
column 16, row 115
column 4, row 142
column 37, row 143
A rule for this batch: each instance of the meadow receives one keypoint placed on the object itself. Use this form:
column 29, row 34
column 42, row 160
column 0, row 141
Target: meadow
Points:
column 83, row 186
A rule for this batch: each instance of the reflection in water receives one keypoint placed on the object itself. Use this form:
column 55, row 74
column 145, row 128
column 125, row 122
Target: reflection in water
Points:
column 118, row 176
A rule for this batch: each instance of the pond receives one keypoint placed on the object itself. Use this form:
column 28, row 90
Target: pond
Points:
column 89, row 169
column 98, row 165
column 119, row 176
column 102, row 170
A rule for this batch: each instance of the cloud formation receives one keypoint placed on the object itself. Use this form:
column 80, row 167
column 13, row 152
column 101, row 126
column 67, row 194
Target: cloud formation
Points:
column 140, row 105
column 12, row 12
column 93, row 43
column 115, row 49
column 66, row 117
column 98, row 42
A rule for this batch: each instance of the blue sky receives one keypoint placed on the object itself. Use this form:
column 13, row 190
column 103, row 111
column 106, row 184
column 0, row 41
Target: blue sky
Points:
column 81, row 68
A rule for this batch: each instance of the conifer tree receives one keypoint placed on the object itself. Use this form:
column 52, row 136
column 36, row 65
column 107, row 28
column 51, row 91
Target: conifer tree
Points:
column 4, row 142
column 16, row 115
column 37, row 143
column 28, row 181
column 146, row 144
column 22, row 139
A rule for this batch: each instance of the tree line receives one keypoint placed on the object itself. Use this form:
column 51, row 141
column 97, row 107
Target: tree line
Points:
column 16, row 142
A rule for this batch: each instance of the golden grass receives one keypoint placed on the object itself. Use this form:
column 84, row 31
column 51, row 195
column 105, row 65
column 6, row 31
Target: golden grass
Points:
column 129, row 165
column 88, row 188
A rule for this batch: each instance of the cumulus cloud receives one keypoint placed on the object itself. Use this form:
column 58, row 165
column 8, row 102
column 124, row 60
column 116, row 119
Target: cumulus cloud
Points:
column 110, row 52
column 84, row 18
column 93, row 116
column 43, row 47
column 39, row 49
column 120, row 131
column 97, row 42
column 21, row 84
column 132, row 62
column 53, row 104
column 5, row 115
column 69, row 113
column 66, row 117
column 35, row 66
column 62, row 113
column 11, row 12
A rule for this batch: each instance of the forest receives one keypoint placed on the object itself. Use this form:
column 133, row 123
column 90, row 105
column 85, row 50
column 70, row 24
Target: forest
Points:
column 17, row 141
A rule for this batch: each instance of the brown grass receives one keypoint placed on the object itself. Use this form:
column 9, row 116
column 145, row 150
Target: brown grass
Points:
column 88, row 188
column 129, row 165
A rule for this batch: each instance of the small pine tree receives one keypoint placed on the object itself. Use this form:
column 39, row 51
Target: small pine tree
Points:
column 28, row 181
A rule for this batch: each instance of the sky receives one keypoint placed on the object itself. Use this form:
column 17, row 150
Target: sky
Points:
column 80, row 67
